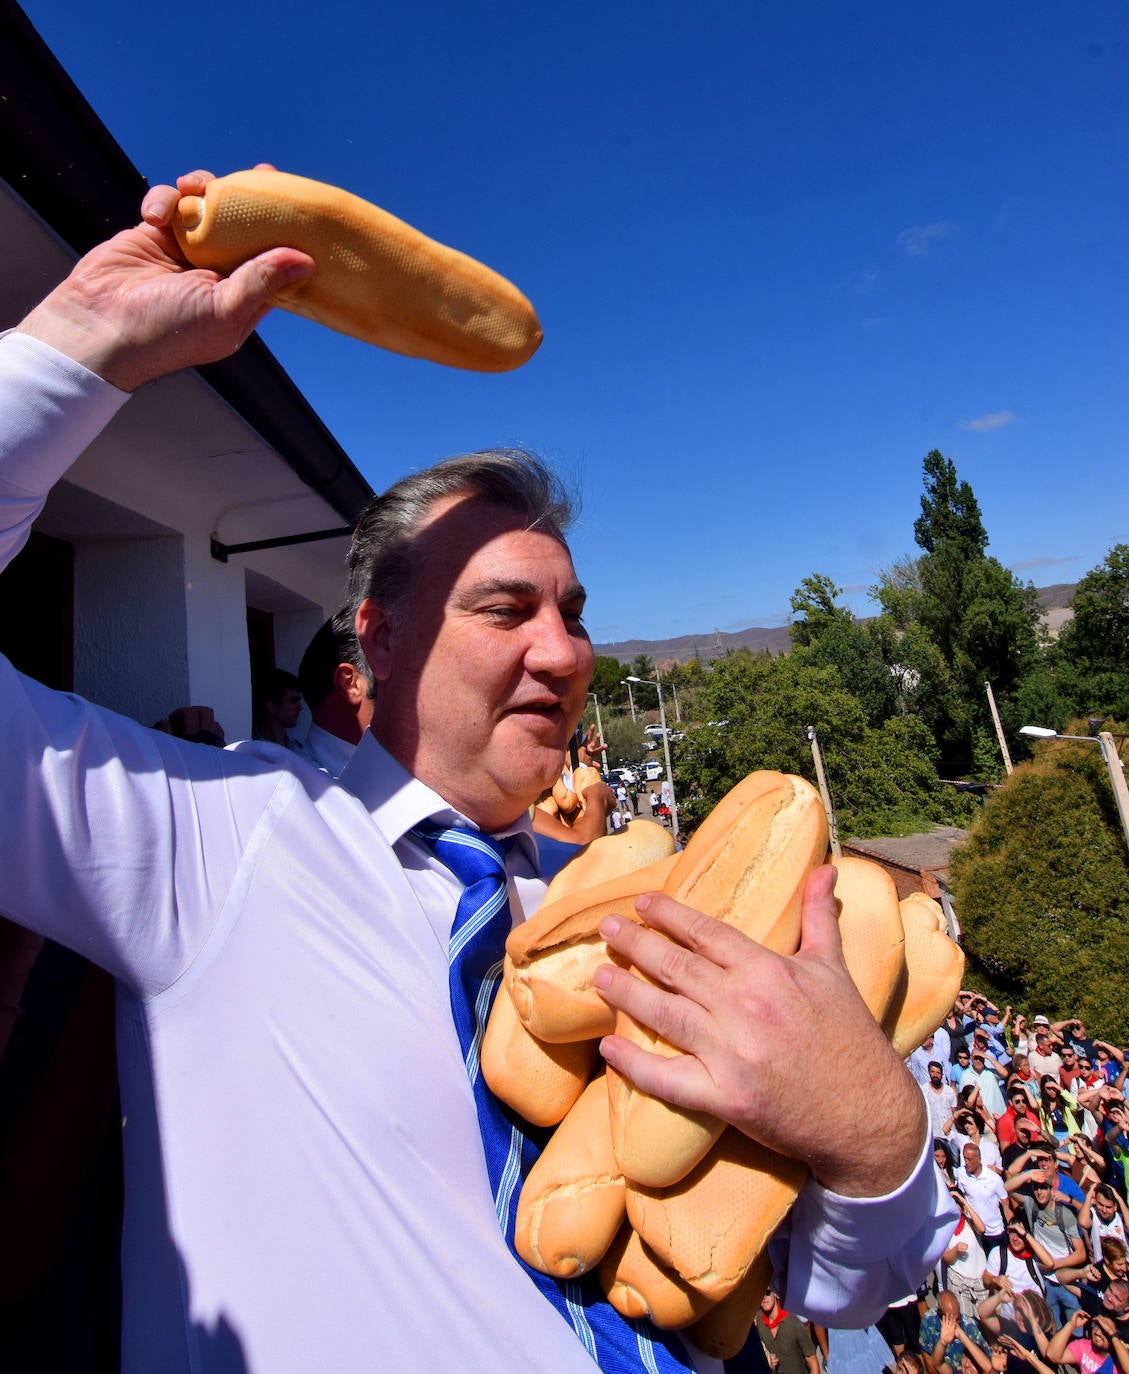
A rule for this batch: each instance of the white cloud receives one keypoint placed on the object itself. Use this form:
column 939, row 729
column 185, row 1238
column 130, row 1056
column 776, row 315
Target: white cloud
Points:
column 917, row 240
column 996, row 419
column 1042, row 561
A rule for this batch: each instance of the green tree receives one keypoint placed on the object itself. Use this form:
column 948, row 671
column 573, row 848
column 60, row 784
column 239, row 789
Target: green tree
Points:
column 1094, row 644
column 828, row 636
column 882, row 780
column 950, row 513
column 607, row 682
column 982, row 620
column 1042, row 889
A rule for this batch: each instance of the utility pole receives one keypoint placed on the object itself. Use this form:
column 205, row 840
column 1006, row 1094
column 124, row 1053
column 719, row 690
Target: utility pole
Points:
column 999, row 727
column 1116, row 780
column 821, row 778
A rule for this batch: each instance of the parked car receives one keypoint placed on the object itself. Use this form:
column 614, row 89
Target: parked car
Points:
column 655, row 731
column 653, row 770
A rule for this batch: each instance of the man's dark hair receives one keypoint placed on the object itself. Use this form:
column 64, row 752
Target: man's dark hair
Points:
column 384, row 541
column 335, row 642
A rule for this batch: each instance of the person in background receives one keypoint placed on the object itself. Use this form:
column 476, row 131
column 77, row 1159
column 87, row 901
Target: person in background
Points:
column 277, row 705
column 336, row 682
column 785, row 1338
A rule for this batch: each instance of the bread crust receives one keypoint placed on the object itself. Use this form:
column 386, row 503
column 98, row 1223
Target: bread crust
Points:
column 540, row 1082
column 552, row 958
column 710, row 1228
column 377, row 278
column 747, row 865
column 572, row 1202
column 934, row 973
column 870, row 924
column 637, row 1285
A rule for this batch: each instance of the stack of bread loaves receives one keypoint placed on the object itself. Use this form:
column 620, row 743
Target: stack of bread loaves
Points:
column 673, row 1208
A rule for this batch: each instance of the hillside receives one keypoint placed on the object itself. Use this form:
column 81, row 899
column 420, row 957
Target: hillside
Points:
column 1054, row 600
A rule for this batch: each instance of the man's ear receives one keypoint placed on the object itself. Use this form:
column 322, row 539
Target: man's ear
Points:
column 350, row 683
column 374, row 632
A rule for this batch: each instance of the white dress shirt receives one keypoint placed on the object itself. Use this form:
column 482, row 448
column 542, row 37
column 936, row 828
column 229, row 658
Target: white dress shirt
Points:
column 325, row 751
column 305, row 1186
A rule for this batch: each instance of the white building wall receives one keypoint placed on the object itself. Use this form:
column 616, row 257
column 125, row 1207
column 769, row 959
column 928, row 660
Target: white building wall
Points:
column 129, row 642
column 219, row 667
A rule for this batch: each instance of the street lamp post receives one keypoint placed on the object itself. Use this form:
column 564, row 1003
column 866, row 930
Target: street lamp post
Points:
column 666, row 749
column 1114, row 766
column 626, row 682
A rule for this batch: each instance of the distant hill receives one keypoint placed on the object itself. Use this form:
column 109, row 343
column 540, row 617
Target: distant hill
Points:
column 1055, row 602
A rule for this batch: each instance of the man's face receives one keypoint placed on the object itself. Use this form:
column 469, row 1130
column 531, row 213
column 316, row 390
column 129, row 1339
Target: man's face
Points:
column 936, row 1077
column 972, row 1158
column 768, row 1302
column 962, row 1059
column 1105, row 1207
column 1042, row 1192
column 1069, row 1060
column 977, row 1061
column 483, row 673
column 287, row 708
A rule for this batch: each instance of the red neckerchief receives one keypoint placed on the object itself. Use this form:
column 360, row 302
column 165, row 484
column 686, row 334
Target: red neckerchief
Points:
column 960, row 1225
column 772, row 1325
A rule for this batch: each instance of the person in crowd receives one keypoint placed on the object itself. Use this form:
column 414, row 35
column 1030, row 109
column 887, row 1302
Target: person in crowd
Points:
column 281, row 943
column 1111, row 1063
column 276, row 708
column 336, row 684
column 1017, row 1269
column 940, row 1098
column 1044, row 1058
column 938, row 1333
column 1084, row 1342
column 987, row 1077
column 1055, row 1227
column 946, row 1160
column 1019, row 1105
column 963, row 1262
column 1104, row 1214
column 1058, row 1114
column 986, row 1194
column 966, row 1127
column 785, row 1338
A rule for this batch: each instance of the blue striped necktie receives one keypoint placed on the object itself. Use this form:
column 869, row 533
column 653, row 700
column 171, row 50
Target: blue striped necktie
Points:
column 478, row 942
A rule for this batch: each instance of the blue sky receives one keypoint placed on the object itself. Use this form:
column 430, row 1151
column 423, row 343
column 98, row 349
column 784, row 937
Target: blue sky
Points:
column 779, row 252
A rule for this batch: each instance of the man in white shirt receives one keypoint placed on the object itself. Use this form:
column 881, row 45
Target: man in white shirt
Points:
column 337, row 687
column 305, row 1182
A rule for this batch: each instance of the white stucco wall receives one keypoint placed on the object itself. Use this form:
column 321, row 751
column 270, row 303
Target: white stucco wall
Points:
column 130, row 648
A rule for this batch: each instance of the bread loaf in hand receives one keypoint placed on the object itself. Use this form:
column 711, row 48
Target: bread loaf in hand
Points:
column 377, row 278
column 747, row 865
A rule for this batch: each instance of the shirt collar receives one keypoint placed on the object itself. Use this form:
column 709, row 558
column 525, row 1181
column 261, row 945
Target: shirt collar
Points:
column 397, row 801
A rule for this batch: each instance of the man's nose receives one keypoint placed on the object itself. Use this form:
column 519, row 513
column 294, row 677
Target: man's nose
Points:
column 553, row 648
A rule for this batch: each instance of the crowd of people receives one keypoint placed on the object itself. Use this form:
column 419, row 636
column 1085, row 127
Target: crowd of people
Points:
column 1031, row 1133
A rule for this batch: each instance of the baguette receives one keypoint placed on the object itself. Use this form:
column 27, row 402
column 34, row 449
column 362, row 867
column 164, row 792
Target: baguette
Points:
column 710, row 1228
column 377, row 278
column 723, row 1331
column 870, row 925
column 572, row 1202
column 611, row 856
column 637, row 1285
column 747, row 865
column 540, row 1082
column 934, row 970
column 551, row 958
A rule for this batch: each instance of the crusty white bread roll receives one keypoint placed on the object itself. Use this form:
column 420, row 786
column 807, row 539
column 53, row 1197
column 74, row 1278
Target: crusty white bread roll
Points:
column 566, row 799
column 572, row 1202
column 711, row 1227
column 551, row 958
column 377, row 278
column 642, row 843
column 723, row 1331
column 637, row 1285
column 934, row 970
column 747, row 865
column 540, row 1082
column 870, row 924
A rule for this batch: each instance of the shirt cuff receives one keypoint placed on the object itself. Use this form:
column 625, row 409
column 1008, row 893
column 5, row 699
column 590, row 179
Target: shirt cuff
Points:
column 847, row 1258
